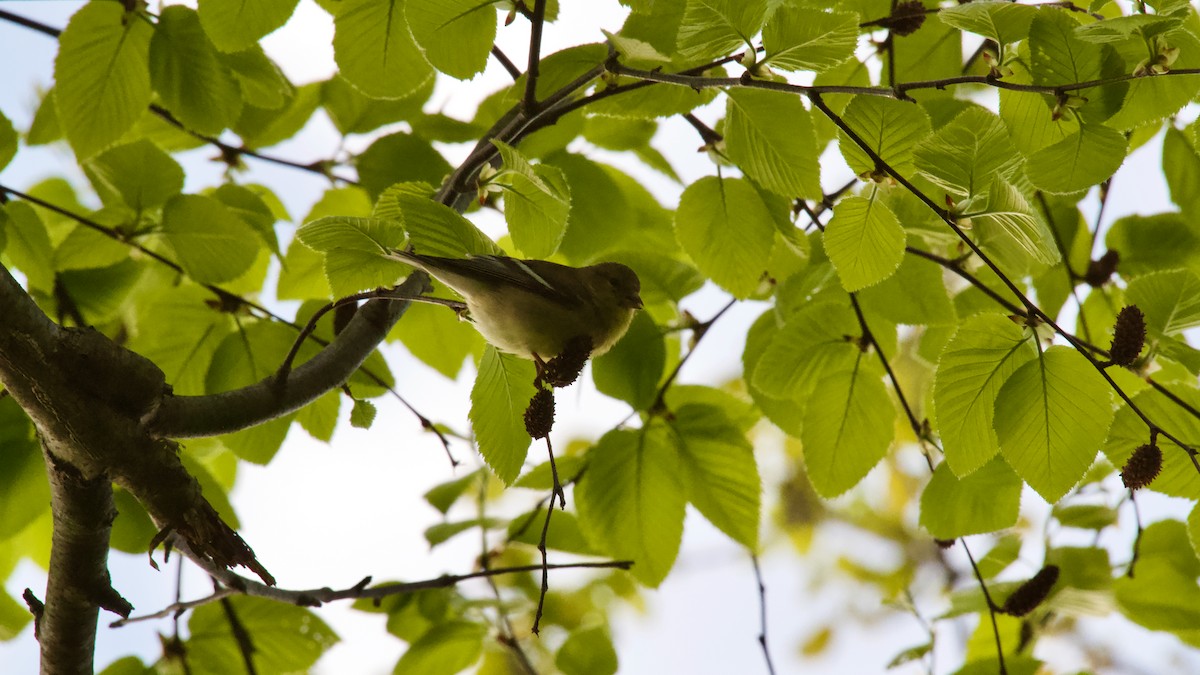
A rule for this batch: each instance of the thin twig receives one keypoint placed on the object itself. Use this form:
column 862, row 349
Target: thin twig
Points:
column 992, row 606
column 507, row 63
column 538, row 21
column 762, row 614
column 241, row 636
column 508, row 636
column 541, row 606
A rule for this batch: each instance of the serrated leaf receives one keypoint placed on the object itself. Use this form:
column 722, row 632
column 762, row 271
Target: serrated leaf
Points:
column 803, row 38
column 27, row 244
column 1169, row 300
column 287, row 638
column 537, row 202
column 726, row 229
column 1178, row 477
column 1004, row 22
column 986, row 501
column 354, row 251
column 977, row 361
column 456, row 35
column 101, row 76
column 138, row 174
column 630, row 501
column 188, row 76
column 433, row 228
column 1051, row 416
column 847, row 430
column 444, row 649
column 811, row 343
column 211, row 243
column 865, row 242
column 399, row 158
column 362, row 416
column 1149, row 244
column 437, row 337
column 719, row 471
column 712, row 28
column 375, row 50
column 1082, row 159
column 965, row 156
column 889, row 127
column 234, row 25
column 915, row 295
column 262, row 83
column 502, row 392
column 630, row 371
column 769, row 135
column 1009, row 218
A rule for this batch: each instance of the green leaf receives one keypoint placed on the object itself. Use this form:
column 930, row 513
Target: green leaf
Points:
column 137, row 174
column 444, row 649
column 713, row 28
column 1153, row 243
column 362, row 416
column 1170, row 300
column 978, row 360
column 1085, row 516
column 1079, row 161
column 8, row 141
column 889, row 127
column 375, row 50
column 1181, row 167
column 456, row 35
column 864, row 241
column 719, row 471
column 503, row 389
column 253, row 210
column 101, row 76
column 437, row 337
column 302, row 276
column 1051, row 416
column 85, row 248
column 28, row 244
column 262, row 83
column 188, row 76
column 1060, row 57
column 1153, row 98
column 564, row 533
column 1004, row 22
column 354, row 251
column 986, row 501
column 286, row 638
column 769, row 135
column 847, row 429
column 24, row 492
column 399, row 158
column 726, row 229
column 803, row 38
column 603, row 215
column 965, row 156
column 588, row 651
column 1159, row 597
column 630, row 371
column 320, row 418
column 630, row 501
column 810, row 344
column 1178, row 477
column 261, row 127
column 211, row 243
column 1008, row 221
column 433, row 228
column 443, row 495
column 1120, row 28
column 443, row 532
column 537, row 201
column 915, row 295
column 1004, row 553
column 234, row 25
column 352, row 112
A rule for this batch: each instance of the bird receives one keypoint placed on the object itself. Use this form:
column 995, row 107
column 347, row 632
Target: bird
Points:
column 535, row 308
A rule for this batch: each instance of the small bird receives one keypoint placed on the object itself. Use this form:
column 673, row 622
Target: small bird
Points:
column 534, row 308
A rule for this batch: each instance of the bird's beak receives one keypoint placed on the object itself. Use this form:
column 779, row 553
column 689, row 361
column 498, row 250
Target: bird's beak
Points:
column 635, row 301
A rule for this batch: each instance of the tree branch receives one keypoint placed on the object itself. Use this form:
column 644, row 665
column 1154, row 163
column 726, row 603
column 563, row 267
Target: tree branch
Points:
column 79, row 583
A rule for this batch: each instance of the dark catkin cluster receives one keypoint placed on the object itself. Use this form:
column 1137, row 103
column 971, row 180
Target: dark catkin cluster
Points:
column 944, row 543
column 1101, row 270
column 564, row 369
column 1142, row 467
column 1031, row 593
column 1129, row 335
column 907, row 18
column 539, row 416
